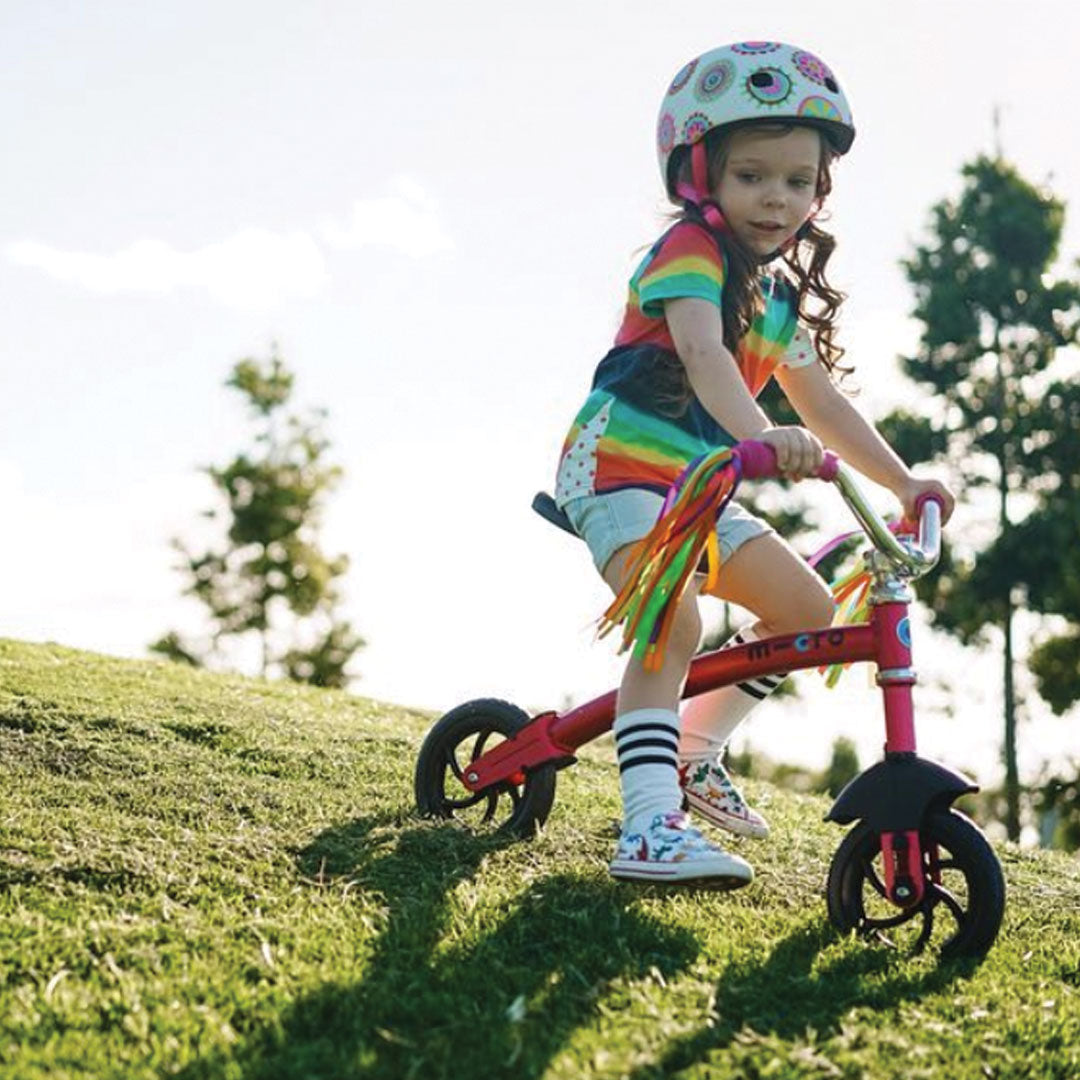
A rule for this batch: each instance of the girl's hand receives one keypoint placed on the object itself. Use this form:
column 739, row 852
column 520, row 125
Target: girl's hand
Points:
column 914, row 489
column 798, row 452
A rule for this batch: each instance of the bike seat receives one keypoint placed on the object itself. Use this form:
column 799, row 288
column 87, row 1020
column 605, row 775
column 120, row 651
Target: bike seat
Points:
column 545, row 506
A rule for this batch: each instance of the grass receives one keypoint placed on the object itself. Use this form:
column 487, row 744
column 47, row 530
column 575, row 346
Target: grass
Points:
column 204, row 876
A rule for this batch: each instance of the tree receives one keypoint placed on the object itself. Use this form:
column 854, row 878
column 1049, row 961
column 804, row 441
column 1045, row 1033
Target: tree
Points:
column 1052, row 584
column 994, row 317
column 269, row 579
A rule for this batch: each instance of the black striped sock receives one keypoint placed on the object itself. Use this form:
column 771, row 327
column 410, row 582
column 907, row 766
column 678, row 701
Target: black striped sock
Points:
column 647, row 742
column 709, row 721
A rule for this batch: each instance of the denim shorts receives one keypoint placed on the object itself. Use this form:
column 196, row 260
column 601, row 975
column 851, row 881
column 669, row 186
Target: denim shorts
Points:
column 609, row 522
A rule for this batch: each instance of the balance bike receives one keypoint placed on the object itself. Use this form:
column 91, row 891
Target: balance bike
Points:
column 910, row 857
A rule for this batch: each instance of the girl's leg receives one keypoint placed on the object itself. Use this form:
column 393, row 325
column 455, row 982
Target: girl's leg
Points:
column 766, row 576
column 656, row 841
column 772, row 580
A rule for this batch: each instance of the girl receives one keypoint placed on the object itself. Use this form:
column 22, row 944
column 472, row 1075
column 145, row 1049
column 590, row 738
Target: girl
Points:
column 747, row 136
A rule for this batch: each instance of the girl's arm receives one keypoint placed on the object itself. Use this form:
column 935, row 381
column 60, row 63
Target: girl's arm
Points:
column 698, row 334
column 832, row 417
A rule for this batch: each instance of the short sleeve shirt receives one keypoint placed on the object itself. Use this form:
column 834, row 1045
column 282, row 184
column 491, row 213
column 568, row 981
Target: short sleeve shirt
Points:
column 641, row 424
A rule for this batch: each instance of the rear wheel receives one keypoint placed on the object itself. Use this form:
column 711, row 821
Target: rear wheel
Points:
column 963, row 889
column 517, row 806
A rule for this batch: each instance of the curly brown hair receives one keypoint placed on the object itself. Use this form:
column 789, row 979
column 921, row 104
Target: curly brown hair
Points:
column 817, row 302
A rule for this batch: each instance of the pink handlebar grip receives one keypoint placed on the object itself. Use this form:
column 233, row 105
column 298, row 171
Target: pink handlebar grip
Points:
column 759, row 460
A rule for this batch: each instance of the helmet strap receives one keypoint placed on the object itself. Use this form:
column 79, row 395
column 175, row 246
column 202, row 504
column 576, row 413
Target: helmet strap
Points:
column 699, row 167
column 697, row 192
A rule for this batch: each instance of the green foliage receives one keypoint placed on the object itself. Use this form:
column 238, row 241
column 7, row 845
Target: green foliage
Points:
column 271, row 577
column 985, row 268
column 173, row 648
column 1056, row 665
column 323, row 664
column 266, row 389
column 206, row 876
column 748, row 763
column 914, row 438
column 994, row 316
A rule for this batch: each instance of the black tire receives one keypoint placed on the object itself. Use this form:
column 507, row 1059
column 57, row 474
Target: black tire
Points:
column 460, row 737
column 970, row 893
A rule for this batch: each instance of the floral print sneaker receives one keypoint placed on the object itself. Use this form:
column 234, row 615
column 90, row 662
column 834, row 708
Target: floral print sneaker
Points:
column 666, row 848
column 709, row 792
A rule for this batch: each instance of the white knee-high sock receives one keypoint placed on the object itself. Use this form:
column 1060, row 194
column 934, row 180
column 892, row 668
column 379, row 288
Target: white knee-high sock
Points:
column 709, row 720
column 647, row 741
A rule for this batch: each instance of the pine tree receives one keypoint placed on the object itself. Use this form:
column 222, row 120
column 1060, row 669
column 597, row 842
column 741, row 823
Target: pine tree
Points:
column 269, row 579
column 994, row 317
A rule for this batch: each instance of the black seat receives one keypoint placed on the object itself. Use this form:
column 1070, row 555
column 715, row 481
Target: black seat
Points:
column 545, row 506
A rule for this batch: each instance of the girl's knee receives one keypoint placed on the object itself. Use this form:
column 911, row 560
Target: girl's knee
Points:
column 685, row 636
column 820, row 607
column 686, row 633
column 807, row 609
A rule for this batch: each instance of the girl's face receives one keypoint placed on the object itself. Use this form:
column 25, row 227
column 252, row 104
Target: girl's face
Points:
column 768, row 185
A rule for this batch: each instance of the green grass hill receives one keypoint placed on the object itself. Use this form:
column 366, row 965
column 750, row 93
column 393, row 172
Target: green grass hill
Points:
column 210, row 876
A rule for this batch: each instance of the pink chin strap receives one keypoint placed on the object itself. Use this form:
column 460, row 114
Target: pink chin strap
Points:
column 697, row 192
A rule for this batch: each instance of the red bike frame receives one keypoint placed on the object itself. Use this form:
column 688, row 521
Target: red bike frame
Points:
column 553, row 737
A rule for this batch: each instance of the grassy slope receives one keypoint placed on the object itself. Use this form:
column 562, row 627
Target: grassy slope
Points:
column 210, row 876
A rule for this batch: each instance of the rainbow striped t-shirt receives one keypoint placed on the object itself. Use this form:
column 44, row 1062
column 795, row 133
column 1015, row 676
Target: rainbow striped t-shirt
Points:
column 641, row 424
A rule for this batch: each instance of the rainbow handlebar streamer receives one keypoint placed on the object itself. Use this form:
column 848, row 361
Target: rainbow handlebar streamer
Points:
column 671, row 553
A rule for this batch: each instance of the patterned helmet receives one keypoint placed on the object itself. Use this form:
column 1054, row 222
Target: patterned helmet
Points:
column 752, row 80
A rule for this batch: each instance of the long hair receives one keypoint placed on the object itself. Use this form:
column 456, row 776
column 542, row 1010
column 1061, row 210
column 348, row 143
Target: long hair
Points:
column 817, row 302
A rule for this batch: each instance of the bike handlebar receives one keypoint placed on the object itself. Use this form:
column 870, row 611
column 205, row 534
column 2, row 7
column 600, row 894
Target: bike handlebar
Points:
column 913, row 559
column 758, row 461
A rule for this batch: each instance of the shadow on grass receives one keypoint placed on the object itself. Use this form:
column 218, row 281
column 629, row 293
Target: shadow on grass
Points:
column 446, row 995
column 92, row 877
column 790, row 991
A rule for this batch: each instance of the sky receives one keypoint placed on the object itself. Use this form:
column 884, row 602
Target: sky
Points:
column 432, row 209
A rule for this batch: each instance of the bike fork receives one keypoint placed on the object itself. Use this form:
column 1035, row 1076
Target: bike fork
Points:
column 901, row 851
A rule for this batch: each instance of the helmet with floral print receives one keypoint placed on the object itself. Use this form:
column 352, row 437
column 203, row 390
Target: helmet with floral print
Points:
column 751, row 80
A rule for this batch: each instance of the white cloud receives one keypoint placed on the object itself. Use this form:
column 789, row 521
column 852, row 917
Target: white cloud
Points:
column 252, row 269
column 255, row 268
column 407, row 220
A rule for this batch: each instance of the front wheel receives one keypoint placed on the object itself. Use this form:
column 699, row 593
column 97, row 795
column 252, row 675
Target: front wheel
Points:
column 963, row 889
column 517, row 806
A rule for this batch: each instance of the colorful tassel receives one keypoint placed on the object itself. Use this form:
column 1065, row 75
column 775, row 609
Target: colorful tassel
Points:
column 670, row 554
column 851, row 596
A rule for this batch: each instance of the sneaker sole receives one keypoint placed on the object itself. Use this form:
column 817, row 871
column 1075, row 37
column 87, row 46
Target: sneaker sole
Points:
column 736, row 825
column 717, row 876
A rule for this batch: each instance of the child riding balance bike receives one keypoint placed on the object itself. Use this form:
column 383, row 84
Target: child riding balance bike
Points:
column 733, row 294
